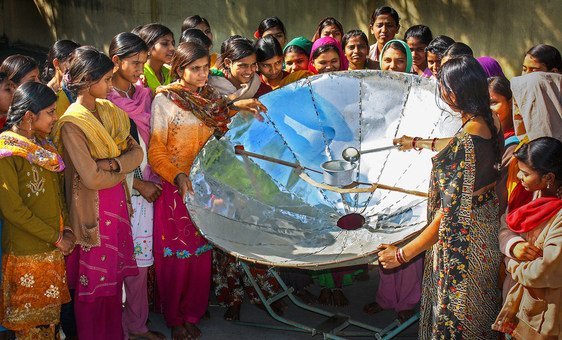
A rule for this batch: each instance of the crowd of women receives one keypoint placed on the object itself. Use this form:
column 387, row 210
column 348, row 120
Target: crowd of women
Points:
column 96, row 151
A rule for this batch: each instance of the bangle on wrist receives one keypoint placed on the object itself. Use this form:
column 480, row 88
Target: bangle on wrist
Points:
column 400, row 256
column 59, row 239
column 433, row 142
column 414, row 143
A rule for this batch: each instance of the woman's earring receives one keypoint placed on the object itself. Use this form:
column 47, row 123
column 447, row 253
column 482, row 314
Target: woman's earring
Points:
column 548, row 185
column 29, row 121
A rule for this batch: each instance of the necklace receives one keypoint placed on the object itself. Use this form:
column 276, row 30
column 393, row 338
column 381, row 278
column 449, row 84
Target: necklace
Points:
column 125, row 93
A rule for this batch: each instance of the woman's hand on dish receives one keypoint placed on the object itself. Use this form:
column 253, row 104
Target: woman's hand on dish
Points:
column 252, row 105
column 387, row 256
column 404, row 143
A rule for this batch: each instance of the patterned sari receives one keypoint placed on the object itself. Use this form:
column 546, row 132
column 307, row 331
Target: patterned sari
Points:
column 460, row 292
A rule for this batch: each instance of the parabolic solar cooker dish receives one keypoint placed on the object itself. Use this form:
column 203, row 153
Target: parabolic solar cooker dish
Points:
column 275, row 214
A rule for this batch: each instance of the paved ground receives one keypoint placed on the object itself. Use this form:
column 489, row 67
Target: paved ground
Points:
column 358, row 294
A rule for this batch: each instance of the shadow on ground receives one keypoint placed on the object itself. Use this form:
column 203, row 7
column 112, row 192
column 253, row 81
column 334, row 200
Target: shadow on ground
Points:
column 359, row 293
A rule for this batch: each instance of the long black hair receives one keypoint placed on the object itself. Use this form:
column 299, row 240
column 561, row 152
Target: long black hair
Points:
column 353, row 34
column 186, row 53
column 543, row 155
column 464, row 78
column 150, row 33
column 61, row 50
column 457, row 49
column 126, row 44
column 18, row 66
column 235, row 48
column 32, row 97
column 547, row 55
column 267, row 48
column 193, row 21
column 328, row 21
column 421, row 32
column 268, row 24
column 439, row 45
column 501, row 86
column 88, row 65
column 197, row 36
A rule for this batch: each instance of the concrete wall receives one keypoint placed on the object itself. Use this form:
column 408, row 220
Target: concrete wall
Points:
column 503, row 29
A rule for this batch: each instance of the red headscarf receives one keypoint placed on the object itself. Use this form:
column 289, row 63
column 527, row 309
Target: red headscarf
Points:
column 327, row 41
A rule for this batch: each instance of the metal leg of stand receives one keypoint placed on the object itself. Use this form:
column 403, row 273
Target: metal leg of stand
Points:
column 402, row 327
column 332, row 328
column 267, row 304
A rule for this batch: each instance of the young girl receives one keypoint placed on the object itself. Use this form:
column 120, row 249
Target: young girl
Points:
column 7, row 89
column 329, row 27
column 326, row 56
column 272, row 26
column 196, row 21
column 184, row 115
column 501, row 104
column 296, row 54
column 460, row 297
column 202, row 24
column 398, row 289
column 543, row 58
column 269, row 56
column 160, row 42
column 57, row 63
column 94, row 135
column 58, row 60
column 418, row 37
column 20, row 69
column 385, row 23
column 531, row 309
column 356, row 48
column 128, row 52
column 33, row 239
column 238, row 63
column 537, row 112
column 435, row 51
column 396, row 56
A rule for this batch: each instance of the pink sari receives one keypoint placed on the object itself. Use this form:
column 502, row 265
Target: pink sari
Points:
column 182, row 260
column 99, row 271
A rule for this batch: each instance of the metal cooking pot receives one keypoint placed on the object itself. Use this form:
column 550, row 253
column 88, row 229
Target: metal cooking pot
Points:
column 338, row 173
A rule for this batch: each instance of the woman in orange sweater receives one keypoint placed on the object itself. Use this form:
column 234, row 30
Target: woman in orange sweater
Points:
column 185, row 114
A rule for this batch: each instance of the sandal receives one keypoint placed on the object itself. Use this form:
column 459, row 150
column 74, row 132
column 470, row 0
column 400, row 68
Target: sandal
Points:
column 338, row 298
column 372, row 308
column 193, row 332
column 325, row 297
column 232, row 313
column 150, row 335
